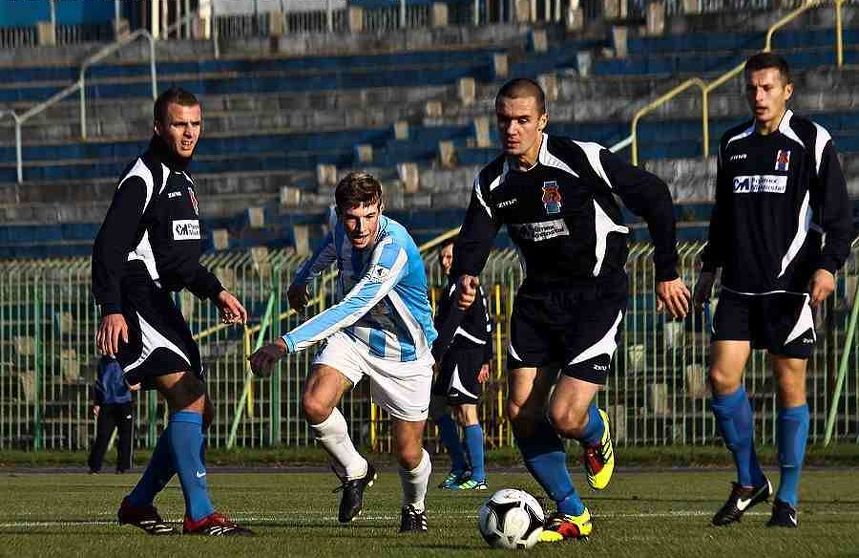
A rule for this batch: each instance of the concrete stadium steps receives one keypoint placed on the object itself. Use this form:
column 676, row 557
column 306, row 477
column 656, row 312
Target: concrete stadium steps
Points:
column 272, row 152
column 268, row 75
column 617, row 98
column 324, row 111
column 671, row 138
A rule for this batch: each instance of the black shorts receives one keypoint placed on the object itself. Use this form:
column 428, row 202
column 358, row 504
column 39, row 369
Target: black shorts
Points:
column 159, row 340
column 781, row 323
column 457, row 376
column 574, row 328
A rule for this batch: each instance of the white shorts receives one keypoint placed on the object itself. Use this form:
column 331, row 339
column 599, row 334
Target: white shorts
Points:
column 400, row 388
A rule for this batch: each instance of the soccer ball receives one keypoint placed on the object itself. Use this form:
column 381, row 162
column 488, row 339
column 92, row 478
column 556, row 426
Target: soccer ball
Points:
column 511, row 519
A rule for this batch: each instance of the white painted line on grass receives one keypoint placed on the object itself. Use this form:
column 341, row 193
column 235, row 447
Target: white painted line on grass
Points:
column 264, row 518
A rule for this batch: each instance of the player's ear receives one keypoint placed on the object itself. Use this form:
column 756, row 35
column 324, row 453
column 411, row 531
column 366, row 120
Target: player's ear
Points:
column 788, row 91
column 542, row 122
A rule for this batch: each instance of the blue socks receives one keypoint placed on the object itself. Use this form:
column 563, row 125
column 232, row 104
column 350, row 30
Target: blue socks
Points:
column 157, row 474
column 449, row 434
column 592, row 435
column 185, row 431
column 546, row 460
column 474, row 447
column 792, row 435
column 734, row 419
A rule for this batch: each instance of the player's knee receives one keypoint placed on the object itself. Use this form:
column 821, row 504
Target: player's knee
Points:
column 568, row 423
column 722, row 381
column 409, row 457
column 315, row 410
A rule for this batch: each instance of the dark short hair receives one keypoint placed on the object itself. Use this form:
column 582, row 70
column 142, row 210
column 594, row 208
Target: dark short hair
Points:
column 445, row 243
column 764, row 60
column 174, row 95
column 357, row 189
column 519, row 88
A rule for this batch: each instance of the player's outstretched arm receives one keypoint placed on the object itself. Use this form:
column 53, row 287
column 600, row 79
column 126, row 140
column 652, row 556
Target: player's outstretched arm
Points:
column 264, row 359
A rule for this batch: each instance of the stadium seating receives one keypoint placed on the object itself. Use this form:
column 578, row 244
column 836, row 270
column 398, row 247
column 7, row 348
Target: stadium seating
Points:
column 271, row 121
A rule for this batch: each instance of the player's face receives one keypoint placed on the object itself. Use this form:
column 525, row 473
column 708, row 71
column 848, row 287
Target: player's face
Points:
column 181, row 129
column 520, row 124
column 767, row 95
column 445, row 258
column 361, row 223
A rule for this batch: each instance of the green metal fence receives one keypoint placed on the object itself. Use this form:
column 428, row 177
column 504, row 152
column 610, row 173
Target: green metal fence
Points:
column 656, row 392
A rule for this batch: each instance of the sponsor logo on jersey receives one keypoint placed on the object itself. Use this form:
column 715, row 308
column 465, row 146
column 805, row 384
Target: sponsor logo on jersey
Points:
column 538, row 232
column 508, row 203
column 765, row 183
column 194, row 201
column 737, row 157
column 551, row 197
column 176, row 194
column 782, row 160
column 378, row 273
column 186, row 229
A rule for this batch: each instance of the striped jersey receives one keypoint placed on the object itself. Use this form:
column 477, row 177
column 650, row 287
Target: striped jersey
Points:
column 382, row 291
column 781, row 209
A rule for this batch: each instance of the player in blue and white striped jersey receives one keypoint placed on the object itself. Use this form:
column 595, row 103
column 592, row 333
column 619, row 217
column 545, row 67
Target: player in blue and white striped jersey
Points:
column 381, row 328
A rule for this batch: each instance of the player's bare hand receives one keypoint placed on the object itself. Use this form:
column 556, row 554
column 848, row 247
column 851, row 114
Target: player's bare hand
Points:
column 95, row 410
column 822, row 285
column 134, row 387
column 232, row 311
column 265, row 358
column 297, row 296
column 112, row 329
column 483, row 375
column 466, row 286
column 673, row 296
column 703, row 288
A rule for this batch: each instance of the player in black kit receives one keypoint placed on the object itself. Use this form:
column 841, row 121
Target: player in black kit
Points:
column 779, row 190
column 148, row 247
column 462, row 369
column 556, row 197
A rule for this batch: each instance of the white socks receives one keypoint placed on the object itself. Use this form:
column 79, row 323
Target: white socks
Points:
column 333, row 434
column 415, row 482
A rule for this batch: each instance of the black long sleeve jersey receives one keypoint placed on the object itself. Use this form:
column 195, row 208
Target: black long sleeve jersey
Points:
column 152, row 229
column 563, row 217
column 474, row 331
column 781, row 209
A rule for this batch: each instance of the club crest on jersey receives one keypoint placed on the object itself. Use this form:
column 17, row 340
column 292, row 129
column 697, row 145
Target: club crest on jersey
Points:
column 194, row 201
column 551, row 197
column 782, row 160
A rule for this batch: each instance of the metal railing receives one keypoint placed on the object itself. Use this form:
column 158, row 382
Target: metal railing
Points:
column 656, row 392
column 80, row 86
column 708, row 87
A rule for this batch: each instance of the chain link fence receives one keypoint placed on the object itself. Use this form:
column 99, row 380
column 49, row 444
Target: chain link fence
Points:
column 656, row 393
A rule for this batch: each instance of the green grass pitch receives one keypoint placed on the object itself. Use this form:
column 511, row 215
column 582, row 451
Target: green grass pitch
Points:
column 642, row 513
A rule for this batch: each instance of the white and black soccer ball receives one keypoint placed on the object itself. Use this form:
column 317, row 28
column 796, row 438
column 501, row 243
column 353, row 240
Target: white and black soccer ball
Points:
column 511, row 518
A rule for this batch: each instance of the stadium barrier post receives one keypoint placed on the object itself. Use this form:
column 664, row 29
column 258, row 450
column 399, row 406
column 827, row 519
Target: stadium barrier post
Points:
column 842, row 368
column 249, row 375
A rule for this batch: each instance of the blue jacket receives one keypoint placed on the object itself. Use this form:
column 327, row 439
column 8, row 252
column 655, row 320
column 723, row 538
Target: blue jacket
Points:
column 110, row 386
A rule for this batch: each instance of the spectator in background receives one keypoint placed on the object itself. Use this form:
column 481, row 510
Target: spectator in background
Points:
column 112, row 408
